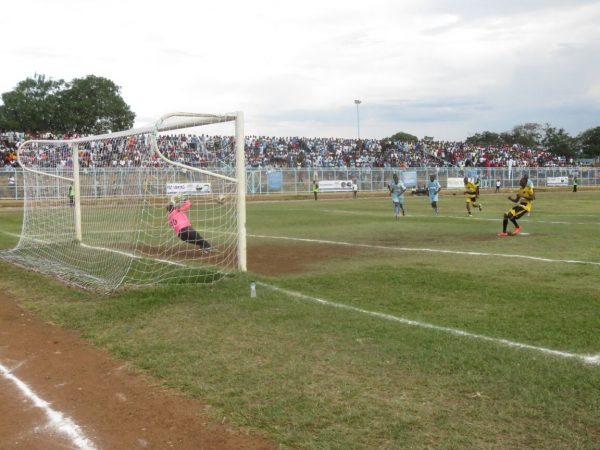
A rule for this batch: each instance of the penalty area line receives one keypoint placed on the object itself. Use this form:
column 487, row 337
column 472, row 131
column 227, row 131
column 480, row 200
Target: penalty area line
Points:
column 57, row 420
column 131, row 255
column 462, row 217
column 588, row 359
column 428, row 250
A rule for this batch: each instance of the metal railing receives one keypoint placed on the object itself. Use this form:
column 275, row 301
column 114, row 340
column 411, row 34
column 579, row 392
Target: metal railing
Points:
column 123, row 181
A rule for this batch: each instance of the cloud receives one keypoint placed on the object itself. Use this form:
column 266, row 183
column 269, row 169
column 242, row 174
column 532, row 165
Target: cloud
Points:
column 442, row 68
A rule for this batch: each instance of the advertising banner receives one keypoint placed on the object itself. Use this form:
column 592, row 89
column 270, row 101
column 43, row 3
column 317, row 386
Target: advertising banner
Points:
column 275, row 181
column 409, row 179
column 557, row 181
column 455, row 183
column 335, row 186
column 189, row 188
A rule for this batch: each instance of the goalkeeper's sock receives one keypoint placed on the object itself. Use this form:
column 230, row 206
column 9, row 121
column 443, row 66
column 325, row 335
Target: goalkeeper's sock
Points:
column 504, row 225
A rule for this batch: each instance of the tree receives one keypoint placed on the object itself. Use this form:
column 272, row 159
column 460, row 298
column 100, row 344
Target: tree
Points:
column 507, row 138
column 485, row 138
column 528, row 134
column 32, row 106
column 589, row 141
column 93, row 105
column 559, row 142
column 403, row 137
column 86, row 105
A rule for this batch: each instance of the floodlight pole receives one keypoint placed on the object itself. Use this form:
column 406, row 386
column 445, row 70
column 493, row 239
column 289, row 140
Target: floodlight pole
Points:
column 357, row 102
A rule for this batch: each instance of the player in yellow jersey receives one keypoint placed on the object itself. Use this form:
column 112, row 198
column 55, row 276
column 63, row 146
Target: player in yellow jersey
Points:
column 471, row 195
column 525, row 196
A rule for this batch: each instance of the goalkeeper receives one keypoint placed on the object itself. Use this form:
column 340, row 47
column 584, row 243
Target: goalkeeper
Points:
column 179, row 221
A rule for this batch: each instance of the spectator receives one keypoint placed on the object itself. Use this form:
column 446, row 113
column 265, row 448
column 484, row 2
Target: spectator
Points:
column 292, row 152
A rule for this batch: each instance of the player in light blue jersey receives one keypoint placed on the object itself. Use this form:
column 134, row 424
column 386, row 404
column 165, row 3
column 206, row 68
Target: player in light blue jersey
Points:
column 434, row 188
column 397, row 189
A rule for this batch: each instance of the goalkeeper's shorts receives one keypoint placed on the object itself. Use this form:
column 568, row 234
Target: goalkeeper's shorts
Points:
column 191, row 236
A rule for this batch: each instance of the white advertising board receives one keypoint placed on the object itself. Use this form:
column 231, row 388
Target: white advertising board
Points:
column 409, row 179
column 557, row 181
column 189, row 188
column 455, row 183
column 335, row 186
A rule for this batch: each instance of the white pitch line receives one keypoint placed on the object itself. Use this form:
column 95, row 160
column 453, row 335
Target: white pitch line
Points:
column 10, row 234
column 56, row 419
column 29, row 237
column 119, row 252
column 408, row 216
column 588, row 359
column 428, row 250
column 131, row 255
column 464, row 217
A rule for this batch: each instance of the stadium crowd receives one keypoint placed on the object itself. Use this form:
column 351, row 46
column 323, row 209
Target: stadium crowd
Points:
column 333, row 152
column 293, row 152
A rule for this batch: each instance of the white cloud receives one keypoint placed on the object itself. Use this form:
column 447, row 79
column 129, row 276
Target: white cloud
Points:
column 446, row 69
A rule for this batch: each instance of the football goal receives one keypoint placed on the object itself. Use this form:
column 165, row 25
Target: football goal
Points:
column 159, row 204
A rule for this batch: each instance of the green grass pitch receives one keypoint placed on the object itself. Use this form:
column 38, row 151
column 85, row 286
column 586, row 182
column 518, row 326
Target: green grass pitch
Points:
column 371, row 332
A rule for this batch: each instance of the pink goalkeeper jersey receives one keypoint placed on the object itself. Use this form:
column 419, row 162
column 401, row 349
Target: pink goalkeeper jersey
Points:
column 177, row 219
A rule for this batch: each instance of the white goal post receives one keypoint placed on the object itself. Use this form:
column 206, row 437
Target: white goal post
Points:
column 163, row 203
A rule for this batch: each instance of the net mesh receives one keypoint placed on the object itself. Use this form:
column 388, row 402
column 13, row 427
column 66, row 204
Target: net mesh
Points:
column 120, row 200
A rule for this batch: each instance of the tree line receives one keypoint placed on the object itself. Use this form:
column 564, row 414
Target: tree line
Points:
column 555, row 140
column 89, row 105
column 93, row 105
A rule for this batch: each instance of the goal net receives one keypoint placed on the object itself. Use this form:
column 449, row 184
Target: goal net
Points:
column 159, row 204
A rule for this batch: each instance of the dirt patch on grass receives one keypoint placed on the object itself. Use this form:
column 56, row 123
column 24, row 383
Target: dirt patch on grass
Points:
column 179, row 252
column 115, row 407
column 280, row 259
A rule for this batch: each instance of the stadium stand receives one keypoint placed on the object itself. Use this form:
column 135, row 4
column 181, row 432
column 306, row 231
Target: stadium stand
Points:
column 301, row 152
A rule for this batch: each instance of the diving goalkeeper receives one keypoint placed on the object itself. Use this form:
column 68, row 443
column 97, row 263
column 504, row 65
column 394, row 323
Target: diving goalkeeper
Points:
column 179, row 221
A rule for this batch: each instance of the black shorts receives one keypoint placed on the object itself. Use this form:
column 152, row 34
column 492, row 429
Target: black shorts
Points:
column 188, row 234
column 516, row 212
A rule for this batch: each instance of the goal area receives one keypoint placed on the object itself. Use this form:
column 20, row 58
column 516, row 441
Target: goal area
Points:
column 158, row 204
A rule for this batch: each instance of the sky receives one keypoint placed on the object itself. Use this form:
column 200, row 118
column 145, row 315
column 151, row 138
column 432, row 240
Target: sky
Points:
column 446, row 69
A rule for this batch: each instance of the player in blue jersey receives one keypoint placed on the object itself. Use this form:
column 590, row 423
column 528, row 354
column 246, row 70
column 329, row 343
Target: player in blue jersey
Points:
column 397, row 189
column 434, row 188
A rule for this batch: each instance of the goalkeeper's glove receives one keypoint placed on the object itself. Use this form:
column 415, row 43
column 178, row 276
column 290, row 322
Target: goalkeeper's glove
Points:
column 180, row 197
